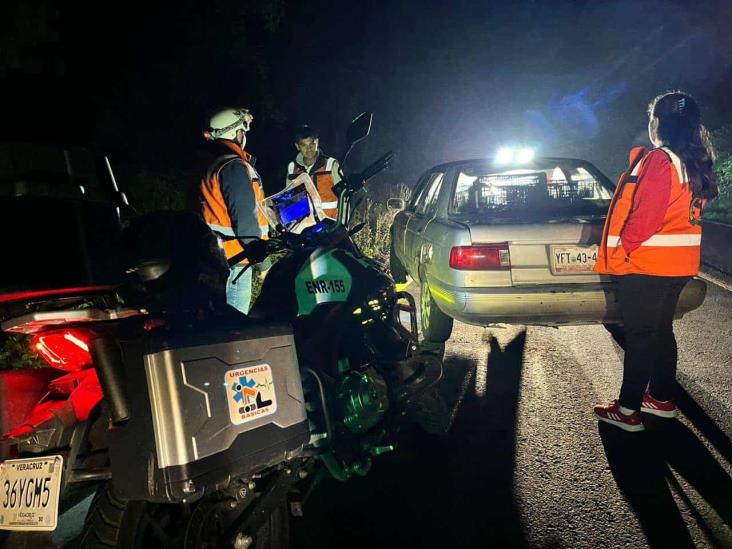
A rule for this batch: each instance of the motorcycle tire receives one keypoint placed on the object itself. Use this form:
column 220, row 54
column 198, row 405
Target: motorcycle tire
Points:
column 112, row 522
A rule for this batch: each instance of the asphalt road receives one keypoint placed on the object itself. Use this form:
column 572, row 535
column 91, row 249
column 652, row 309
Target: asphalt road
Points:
column 526, row 464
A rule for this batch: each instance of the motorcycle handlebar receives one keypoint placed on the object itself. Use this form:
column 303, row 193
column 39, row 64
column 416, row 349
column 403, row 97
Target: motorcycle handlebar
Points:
column 377, row 166
column 356, row 181
column 258, row 249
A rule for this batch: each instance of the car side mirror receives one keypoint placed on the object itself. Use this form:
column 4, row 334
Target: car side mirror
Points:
column 397, row 204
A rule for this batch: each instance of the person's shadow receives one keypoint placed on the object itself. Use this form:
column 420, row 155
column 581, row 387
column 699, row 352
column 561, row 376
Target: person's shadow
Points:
column 450, row 490
column 643, row 465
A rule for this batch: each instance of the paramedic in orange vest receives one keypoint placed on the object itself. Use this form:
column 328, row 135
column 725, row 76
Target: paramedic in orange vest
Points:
column 322, row 169
column 229, row 193
column 651, row 248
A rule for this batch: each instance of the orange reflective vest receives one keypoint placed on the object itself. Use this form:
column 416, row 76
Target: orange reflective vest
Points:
column 675, row 248
column 322, row 176
column 214, row 199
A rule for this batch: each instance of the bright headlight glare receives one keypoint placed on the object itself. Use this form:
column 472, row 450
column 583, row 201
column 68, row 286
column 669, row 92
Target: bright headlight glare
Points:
column 504, row 155
column 525, row 155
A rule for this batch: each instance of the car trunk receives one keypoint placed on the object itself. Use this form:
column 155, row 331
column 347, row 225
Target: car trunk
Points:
column 560, row 250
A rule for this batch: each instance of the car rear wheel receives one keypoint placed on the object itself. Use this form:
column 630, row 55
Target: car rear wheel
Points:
column 397, row 270
column 436, row 325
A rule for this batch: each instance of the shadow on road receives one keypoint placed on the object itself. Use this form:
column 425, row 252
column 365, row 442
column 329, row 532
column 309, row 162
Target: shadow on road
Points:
column 643, row 466
column 482, row 462
column 453, row 490
column 701, row 420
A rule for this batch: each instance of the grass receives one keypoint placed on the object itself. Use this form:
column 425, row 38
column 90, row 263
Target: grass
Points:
column 16, row 352
column 374, row 238
column 720, row 209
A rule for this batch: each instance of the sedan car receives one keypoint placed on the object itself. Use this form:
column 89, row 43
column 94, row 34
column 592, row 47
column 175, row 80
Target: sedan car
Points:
column 512, row 243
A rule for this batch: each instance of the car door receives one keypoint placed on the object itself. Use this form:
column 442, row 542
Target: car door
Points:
column 401, row 220
column 424, row 211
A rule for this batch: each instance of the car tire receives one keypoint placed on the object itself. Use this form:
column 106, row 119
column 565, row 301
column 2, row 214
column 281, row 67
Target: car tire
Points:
column 436, row 325
column 396, row 268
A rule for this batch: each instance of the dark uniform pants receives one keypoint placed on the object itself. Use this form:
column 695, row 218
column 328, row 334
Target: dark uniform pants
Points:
column 647, row 306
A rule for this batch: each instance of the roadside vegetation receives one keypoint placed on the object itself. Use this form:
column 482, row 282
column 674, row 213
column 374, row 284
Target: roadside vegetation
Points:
column 374, row 238
column 721, row 208
column 16, row 353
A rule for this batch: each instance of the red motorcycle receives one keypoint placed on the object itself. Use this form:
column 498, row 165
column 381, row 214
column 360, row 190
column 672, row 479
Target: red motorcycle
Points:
column 186, row 419
column 147, row 375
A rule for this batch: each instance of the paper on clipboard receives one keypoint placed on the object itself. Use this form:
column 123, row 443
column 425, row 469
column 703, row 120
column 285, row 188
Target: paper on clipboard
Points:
column 295, row 207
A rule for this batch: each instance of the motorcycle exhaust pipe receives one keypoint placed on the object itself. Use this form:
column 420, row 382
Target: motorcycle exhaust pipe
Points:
column 107, row 358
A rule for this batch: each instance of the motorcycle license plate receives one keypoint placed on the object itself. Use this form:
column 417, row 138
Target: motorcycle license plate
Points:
column 573, row 259
column 29, row 493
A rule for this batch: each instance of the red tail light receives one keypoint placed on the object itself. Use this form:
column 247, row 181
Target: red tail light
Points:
column 66, row 350
column 489, row 257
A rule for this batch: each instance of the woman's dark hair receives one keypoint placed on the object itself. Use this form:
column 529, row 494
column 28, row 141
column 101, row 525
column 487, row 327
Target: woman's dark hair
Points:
column 680, row 129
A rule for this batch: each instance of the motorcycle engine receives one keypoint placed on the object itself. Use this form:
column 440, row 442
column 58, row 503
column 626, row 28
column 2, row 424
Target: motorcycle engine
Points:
column 364, row 400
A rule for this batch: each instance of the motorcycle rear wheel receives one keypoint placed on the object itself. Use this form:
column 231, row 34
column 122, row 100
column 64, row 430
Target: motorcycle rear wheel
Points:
column 113, row 522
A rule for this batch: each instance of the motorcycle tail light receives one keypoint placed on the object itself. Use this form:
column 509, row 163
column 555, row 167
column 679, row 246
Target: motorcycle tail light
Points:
column 488, row 257
column 66, row 350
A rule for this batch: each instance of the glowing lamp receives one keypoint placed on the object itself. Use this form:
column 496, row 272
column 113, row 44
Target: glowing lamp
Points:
column 504, row 155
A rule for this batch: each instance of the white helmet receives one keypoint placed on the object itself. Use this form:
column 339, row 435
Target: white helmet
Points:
column 226, row 123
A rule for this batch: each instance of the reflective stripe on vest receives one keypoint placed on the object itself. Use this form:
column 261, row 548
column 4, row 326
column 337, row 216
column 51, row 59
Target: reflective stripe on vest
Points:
column 213, row 204
column 675, row 248
column 662, row 240
column 322, row 177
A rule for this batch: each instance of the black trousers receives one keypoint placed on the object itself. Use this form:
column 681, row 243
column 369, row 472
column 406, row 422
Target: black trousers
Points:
column 647, row 306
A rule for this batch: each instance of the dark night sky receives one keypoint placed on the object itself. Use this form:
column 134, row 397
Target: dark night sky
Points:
column 444, row 80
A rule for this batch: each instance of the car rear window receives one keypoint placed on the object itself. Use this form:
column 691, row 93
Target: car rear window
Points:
column 529, row 194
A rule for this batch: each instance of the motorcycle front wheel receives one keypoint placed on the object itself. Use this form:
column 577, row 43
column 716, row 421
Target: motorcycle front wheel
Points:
column 113, row 522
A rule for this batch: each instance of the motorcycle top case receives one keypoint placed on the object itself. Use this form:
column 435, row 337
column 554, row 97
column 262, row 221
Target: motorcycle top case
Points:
column 206, row 406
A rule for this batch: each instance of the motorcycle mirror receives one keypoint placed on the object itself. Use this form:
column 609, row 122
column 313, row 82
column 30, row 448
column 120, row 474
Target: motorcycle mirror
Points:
column 358, row 130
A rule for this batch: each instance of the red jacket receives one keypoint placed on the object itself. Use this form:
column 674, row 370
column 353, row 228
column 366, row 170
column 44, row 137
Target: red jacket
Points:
column 653, row 224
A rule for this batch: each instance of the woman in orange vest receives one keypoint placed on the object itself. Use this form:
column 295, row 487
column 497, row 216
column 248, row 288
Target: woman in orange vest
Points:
column 651, row 248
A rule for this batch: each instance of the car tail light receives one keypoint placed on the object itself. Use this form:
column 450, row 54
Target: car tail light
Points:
column 489, row 257
column 66, row 350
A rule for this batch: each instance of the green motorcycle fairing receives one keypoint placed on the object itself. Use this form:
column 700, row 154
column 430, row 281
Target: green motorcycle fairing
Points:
column 323, row 278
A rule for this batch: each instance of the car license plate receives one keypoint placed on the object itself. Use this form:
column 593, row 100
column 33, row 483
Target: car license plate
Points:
column 29, row 493
column 573, row 259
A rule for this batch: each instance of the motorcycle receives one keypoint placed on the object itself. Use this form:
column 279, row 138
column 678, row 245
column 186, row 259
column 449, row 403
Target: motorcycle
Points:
column 196, row 426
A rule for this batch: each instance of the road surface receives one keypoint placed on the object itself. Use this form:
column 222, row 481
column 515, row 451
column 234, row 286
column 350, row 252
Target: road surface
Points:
column 526, row 464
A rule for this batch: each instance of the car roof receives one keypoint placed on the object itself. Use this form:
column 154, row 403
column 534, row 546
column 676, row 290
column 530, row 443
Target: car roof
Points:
column 537, row 161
